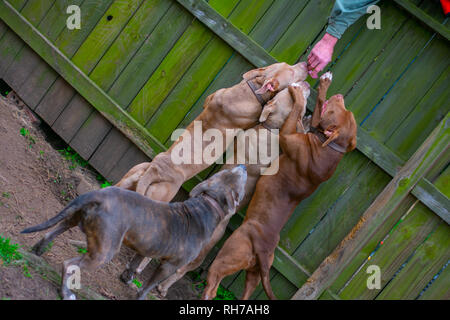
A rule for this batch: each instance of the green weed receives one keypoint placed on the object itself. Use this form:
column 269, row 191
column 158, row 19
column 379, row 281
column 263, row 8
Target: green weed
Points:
column 25, row 133
column 82, row 250
column 72, row 156
column 8, row 251
column 137, row 283
column 104, row 183
column 222, row 293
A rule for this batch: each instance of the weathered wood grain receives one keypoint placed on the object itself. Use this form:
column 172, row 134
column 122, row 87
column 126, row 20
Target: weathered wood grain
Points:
column 423, row 17
column 378, row 212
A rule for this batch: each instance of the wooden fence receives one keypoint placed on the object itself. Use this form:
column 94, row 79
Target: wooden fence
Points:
column 137, row 70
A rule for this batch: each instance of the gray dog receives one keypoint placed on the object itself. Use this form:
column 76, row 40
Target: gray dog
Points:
column 174, row 233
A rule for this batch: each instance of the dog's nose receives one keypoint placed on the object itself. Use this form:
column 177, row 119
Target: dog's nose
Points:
column 340, row 96
column 242, row 167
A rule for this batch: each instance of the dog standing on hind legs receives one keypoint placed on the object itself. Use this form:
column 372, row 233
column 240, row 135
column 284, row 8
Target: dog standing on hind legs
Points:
column 174, row 233
column 308, row 159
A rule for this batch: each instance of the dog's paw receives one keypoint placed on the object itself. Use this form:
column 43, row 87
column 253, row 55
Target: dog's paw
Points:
column 327, row 76
column 305, row 87
column 127, row 276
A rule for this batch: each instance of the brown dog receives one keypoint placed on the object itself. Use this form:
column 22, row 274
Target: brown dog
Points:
column 172, row 232
column 307, row 161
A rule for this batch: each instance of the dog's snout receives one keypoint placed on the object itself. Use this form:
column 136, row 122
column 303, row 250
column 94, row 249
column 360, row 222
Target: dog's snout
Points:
column 340, row 96
column 242, row 167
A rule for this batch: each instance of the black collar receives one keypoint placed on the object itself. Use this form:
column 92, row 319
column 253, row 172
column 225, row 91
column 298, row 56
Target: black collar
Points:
column 324, row 138
column 260, row 98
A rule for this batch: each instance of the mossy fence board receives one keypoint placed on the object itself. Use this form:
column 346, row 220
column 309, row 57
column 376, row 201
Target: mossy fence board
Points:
column 139, row 69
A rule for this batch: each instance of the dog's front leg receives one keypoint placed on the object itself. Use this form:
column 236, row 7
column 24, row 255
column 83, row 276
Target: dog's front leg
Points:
column 324, row 84
column 164, row 270
column 130, row 272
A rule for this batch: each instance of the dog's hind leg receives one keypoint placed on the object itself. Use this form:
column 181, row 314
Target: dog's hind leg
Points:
column 130, row 272
column 252, row 279
column 265, row 262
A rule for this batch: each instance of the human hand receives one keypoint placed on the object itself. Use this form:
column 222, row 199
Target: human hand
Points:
column 321, row 54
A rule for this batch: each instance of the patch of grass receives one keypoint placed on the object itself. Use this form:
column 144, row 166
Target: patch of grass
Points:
column 137, row 283
column 25, row 133
column 222, row 293
column 82, row 250
column 26, row 271
column 72, row 156
column 104, row 183
column 6, row 195
column 8, row 251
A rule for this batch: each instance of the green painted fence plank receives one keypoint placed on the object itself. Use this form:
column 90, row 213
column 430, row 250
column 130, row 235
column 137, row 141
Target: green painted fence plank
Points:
column 139, row 28
column 428, row 259
column 228, row 32
column 363, row 255
column 187, row 48
column 422, row 16
column 364, row 49
column 10, row 43
column 92, row 127
column 87, row 58
column 104, row 34
column 96, row 129
column 25, row 60
column 385, row 204
column 202, row 72
column 150, row 55
column 420, row 122
column 341, row 217
column 302, row 32
column 382, row 74
column 80, row 81
column 394, row 252
column 401, row 100
column 440, row 288
column 40, row 76
column 51, row 102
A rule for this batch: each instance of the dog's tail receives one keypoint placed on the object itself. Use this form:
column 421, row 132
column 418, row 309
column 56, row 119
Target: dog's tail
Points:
column 67, row 212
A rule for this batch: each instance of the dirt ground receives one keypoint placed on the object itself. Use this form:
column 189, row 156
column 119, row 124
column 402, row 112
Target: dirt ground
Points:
column 36, row 182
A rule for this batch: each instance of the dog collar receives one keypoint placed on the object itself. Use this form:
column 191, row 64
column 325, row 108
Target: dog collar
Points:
column 253, row 87
column 214, row 204
column 324, row 138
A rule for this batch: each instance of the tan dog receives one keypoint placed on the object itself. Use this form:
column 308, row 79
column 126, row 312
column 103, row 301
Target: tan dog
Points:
column 233, row 108
column 307, row 161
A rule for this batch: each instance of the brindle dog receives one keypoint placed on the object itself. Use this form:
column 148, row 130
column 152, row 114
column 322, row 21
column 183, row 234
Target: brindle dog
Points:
column 174, row 233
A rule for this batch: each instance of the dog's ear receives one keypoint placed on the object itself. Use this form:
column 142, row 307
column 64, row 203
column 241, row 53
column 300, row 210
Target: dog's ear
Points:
column 268, row 109
column 332, row 133
column 271, row 85
column 232, row 201
column 201, row 187
column 352, row 144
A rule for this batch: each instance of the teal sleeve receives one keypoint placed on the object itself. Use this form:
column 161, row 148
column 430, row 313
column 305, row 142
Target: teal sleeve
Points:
column 345, row 13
